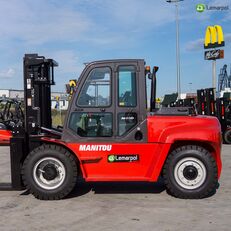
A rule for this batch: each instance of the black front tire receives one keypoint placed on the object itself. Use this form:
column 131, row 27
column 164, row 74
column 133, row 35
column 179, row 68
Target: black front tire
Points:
column 50, row 172
column 190, row 172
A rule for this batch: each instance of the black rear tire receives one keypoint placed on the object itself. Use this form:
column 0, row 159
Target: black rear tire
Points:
column 50, row 172
column 227, row 136
column 190, row 172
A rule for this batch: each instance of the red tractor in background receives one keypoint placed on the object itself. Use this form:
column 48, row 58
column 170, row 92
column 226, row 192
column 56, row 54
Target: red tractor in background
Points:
column 110, row 134
column 5, row 135
column 11, row 114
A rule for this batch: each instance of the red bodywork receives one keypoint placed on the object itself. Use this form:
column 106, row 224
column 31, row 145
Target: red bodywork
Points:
column 163, row 132
column 5, row 136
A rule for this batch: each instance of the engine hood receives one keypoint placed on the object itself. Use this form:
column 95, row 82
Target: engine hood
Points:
column 168, row 129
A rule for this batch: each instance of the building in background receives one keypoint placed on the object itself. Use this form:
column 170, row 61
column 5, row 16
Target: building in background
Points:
column 59, row 100
column 11, row 94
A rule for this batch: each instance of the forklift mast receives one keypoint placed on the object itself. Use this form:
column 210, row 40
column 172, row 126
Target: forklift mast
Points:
column 206, row 102
column 38, row 78
column 221, row 115
column 201, row 101
column 210, row 99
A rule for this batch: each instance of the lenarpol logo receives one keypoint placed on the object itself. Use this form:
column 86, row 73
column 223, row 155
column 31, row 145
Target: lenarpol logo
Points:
column 123, row 158
column 111, row 158
column 200, row 7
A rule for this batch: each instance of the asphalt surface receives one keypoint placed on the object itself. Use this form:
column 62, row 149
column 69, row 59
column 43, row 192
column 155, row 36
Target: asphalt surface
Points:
column 116, row 206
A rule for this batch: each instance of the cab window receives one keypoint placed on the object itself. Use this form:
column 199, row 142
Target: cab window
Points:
column 91, row 124
column 127, row 86
column 96, row 91
column 127, row 121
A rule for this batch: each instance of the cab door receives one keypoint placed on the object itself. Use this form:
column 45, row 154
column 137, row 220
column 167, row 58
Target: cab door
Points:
column 130, row 104
column 91, row 116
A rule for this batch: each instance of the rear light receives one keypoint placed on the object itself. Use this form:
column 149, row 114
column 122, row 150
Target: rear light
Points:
column 212, row 108
column 203, row 108
column 223, row 112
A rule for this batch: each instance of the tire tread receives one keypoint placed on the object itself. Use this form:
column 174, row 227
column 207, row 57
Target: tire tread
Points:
column 180, row 194
column 65, row 191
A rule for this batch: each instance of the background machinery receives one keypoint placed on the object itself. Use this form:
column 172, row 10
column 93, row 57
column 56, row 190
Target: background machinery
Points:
column 220, row 107
column 11, row 115
column 70, row 87
column 224, row 81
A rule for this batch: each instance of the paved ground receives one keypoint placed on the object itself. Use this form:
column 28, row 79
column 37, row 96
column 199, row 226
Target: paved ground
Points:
column 133, row 206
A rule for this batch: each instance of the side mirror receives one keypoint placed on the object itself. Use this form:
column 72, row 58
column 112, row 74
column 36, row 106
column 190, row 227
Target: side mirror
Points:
column 155, row 69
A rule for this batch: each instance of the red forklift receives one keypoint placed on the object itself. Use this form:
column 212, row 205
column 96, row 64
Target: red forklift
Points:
column 111, row 134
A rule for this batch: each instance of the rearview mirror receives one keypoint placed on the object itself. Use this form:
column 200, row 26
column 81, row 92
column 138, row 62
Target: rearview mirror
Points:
column 155, row 69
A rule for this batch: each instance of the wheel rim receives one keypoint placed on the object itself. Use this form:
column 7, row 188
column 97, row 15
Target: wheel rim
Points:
column 49, row 173
column 190, row 173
